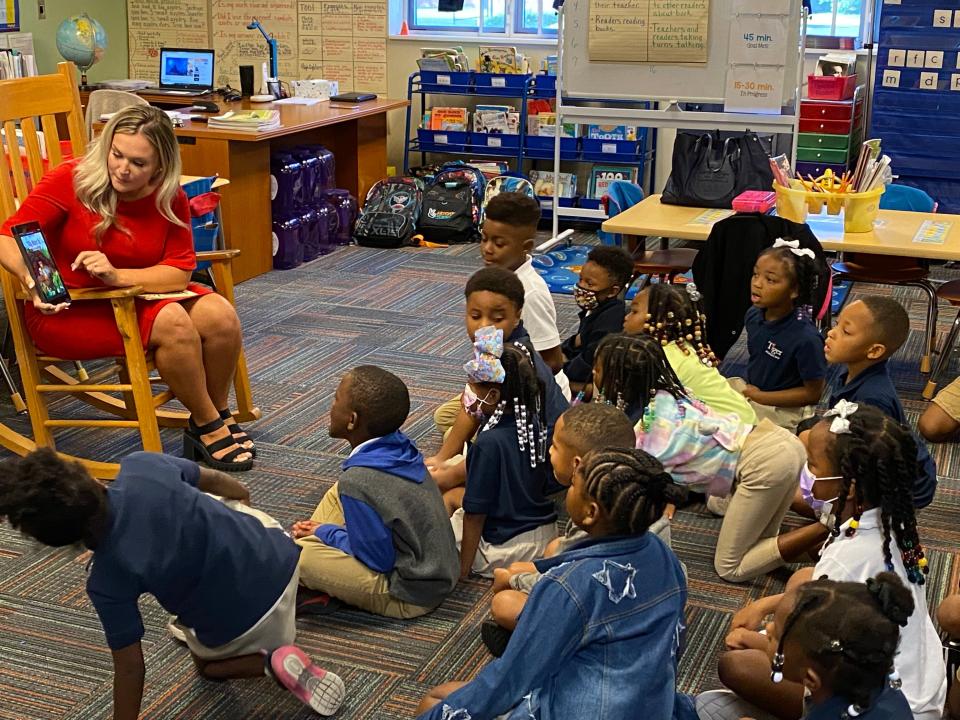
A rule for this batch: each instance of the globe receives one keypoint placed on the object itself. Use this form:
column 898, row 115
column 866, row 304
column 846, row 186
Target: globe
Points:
column 83, row 41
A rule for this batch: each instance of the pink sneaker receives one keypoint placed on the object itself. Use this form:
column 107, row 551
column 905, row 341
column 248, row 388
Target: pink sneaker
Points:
column 321, row 690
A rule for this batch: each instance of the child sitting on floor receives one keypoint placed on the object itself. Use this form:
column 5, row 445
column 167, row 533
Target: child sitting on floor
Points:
column 380, row 539
column 494, row 297
column 940, row 422
column 602, row 278
column 502, row 516
column 948, row 618
column 861, row 469
column 230, row 580
column 601, row 633
column 786, row 367
column 710, row 453
column 868, row 331
column 838, row 640
column 671, row 314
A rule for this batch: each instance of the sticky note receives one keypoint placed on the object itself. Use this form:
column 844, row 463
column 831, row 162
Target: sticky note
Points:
column 897, row 58
column 955, row 82
column 891, row 78
column 942, row 18
column 929, row 81
column 915, row 58
column 934, row 59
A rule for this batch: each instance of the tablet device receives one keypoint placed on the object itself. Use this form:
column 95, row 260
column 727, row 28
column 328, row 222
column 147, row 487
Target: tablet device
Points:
column 40, row 263
column 353, row 97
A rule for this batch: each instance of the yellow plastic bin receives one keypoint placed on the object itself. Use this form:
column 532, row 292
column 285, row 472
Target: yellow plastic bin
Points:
column 859, row 209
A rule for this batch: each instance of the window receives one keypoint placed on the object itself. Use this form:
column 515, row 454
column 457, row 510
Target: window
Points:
column 508, row 17
column 835, row 18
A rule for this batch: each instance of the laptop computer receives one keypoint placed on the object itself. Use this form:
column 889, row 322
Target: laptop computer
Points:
column 184, row 72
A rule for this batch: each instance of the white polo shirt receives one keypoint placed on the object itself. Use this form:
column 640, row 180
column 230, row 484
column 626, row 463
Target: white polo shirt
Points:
column 920, row 660
column 539, row 316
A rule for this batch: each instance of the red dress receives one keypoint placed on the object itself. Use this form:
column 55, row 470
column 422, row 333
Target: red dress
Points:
column 88, row 330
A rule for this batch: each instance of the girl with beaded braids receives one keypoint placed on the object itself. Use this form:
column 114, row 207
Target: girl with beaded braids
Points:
column 673, row 316
column 501, row 515
column 714, row 454
column 861, row 467
column 601, row 633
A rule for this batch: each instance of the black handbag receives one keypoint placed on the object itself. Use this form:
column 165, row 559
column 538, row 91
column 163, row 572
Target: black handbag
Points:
column 710, row 172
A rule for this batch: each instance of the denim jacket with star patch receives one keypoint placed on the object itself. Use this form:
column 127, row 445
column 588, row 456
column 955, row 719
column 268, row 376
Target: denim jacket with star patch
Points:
column 599, row 637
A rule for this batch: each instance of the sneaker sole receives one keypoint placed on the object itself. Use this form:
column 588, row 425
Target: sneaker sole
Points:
column 323, row 691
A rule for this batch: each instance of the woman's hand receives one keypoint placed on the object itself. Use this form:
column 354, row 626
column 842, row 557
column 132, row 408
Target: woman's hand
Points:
column 44, row 307
column 303, row 528
column 97, row 265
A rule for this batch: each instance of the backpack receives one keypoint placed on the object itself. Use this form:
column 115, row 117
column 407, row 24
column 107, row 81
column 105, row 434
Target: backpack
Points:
column 507, row 183
column 448, row 214
column 390, row 213
column 459, row 172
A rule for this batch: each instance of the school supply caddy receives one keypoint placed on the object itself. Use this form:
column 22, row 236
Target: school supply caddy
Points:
column 390, row 213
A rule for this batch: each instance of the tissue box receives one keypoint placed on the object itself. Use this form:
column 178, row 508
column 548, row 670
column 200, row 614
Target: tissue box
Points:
column 319, row 89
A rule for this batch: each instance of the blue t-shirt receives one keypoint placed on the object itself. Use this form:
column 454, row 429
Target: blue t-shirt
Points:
column 890, row 704
column 873, row 386
column 218, row 570
column 502, row 485
column 785, row 353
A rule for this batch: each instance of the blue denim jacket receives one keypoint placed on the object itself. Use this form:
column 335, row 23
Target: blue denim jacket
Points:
column 599, row 637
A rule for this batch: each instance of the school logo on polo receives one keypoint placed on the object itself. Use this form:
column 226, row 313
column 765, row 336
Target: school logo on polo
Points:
column 773, row 351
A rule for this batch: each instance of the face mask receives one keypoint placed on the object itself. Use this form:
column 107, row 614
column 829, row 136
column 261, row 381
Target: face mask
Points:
column 586, row 299
column 472, row 405
column 821, row 508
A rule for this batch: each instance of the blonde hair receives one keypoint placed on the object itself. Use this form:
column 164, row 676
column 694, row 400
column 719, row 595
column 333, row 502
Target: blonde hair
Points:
column 91, row 180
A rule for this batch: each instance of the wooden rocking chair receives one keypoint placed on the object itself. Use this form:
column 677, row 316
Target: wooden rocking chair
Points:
column 52, row 98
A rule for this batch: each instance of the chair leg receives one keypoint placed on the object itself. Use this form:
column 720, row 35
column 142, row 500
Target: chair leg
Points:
column 943, row 360
column 136, row 364
column 930, row 345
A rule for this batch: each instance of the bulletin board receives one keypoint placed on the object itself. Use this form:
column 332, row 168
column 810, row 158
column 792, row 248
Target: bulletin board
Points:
column 9, row 15
column 342, row 40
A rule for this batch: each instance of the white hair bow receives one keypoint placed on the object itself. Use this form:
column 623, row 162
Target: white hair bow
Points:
column 693, row 292
column 840, row 414
column 794, row 246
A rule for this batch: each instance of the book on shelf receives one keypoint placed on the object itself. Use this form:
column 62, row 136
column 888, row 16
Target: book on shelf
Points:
column 490, row 168
column 246, row 120
column 496, row 119
column 611, row 132
column 499, row 59
column 602, row 175
column 543, row 183
column 443, row 59
column 447, row 118
column 549, row 65
column 545, row 124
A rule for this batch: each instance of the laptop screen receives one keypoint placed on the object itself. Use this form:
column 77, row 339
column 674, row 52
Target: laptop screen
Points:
column 187, row 69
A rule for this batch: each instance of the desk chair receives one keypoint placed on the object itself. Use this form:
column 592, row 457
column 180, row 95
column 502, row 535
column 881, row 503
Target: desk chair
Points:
column 53, row 97
column 107, row 101
column 895, row 269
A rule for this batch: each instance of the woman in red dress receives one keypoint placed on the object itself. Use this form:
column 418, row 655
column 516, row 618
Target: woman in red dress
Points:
column 116, row 218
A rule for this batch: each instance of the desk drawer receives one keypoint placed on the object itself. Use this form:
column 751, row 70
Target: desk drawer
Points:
column 826, row 111
column 831, row 127
column 821, row 156
column 823, row 142
column 817, row 169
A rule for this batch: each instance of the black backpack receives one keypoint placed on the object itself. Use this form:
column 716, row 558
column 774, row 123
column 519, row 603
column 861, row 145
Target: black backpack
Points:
column 390, row 212
column 448, row 214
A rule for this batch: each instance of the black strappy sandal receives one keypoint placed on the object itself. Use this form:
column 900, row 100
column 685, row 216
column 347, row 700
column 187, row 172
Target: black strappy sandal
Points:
column 234, row 427
column 195, row 449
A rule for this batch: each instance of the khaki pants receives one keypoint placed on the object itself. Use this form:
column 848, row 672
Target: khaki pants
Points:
column 342, row 576
column 767, row 478
column 446, row 415
column 786, row 417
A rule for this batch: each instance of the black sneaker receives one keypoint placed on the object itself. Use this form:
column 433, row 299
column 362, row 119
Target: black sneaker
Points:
column 310, row 602
column 495, row 637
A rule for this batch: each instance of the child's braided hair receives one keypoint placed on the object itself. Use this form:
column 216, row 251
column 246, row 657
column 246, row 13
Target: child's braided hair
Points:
column 632, row 369
column 878, row 457
column 674, row 316
column 522, row 392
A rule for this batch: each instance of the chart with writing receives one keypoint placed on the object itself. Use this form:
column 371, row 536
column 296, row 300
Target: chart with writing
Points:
column 648, row 31
column 346, row 41
column 153, row 24
column 236, row 46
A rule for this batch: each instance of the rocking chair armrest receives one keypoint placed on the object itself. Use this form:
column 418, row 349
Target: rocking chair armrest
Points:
column 217, row 255
column 95, row 293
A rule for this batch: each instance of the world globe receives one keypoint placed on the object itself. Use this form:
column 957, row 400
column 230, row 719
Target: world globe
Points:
column 83, row 41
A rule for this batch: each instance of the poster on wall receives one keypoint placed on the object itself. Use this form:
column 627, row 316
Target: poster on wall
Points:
column 9, row 15
column 236, row 46
column 754, row 89
column 758, row 39
column 346, row 41
column 153, row 24
column 648, row 31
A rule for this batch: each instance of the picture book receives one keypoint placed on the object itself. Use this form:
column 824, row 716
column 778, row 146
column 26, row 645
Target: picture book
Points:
column 546, row 125
column 448, row 118
column 611, row 132
column 499, row 59
column 543, row 183
column 602, row 175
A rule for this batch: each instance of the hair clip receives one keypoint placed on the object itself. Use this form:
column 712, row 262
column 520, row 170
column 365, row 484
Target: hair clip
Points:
column 794, row 247
column 776, row 674
column 693, row 292
column 841, row 413
column 487, row 349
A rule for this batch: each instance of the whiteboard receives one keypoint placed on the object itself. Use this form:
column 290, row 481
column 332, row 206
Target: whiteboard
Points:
column 683, row 82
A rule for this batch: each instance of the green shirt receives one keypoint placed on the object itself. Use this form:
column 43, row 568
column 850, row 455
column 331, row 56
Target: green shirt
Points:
column 707, row 384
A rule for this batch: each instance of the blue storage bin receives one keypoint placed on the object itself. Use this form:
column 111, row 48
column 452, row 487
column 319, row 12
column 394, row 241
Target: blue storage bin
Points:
column 541, row 146
column 450, row 82
column 546, row 202
column 609, row 150
column 544, row 85
column 589, row 203
column 499, row 84
column 495, row 143
column 442, row 140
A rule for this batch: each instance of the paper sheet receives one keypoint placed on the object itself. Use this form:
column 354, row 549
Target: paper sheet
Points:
column 933, row 232
column 153, row 24
column 660, row 31
column 709, row 217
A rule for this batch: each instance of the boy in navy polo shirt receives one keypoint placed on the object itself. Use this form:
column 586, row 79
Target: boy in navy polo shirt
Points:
column 603, row 276
column 230, row 580
column 868, row 331
column 786, row 368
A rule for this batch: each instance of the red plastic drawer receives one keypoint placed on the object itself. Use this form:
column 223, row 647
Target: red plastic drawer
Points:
column 826, row 111
column 834, row 127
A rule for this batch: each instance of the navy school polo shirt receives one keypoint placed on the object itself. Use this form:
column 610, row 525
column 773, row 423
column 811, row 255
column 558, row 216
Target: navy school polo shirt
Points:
column 218, row 570
column 555, row 402
column 889, row 704
column 874, row 387
column 502, row 485
column 784, row 354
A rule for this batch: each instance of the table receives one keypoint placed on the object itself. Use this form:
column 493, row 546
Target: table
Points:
column 356, row 134
column 893, row 234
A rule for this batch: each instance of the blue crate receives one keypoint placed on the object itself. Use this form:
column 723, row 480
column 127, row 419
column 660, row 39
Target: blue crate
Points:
column 499, row 84
column 446, row 82
column 623, row 151
column 541, row 147
column 546, row 202
column 589, row 203
column 545, row 86
column 441, row 140
column 495, row 143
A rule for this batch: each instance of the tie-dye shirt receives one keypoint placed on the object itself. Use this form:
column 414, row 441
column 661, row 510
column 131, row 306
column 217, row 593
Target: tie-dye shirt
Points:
column 699, row 448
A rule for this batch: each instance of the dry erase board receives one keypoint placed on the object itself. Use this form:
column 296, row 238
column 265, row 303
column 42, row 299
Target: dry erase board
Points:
column 685, row 81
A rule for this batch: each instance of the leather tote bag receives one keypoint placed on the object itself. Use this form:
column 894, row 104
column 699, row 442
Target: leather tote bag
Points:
column 710, row 172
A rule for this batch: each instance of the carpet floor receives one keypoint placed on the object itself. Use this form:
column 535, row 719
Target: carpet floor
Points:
column 402, row 310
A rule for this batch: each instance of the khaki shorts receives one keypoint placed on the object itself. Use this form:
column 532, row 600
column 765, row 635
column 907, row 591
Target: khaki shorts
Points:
column 948, row 400
column 786, row 417
column 525, row 547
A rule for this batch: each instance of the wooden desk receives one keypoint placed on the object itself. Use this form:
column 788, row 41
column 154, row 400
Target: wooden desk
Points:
column 356, row 134
column 893, row 236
